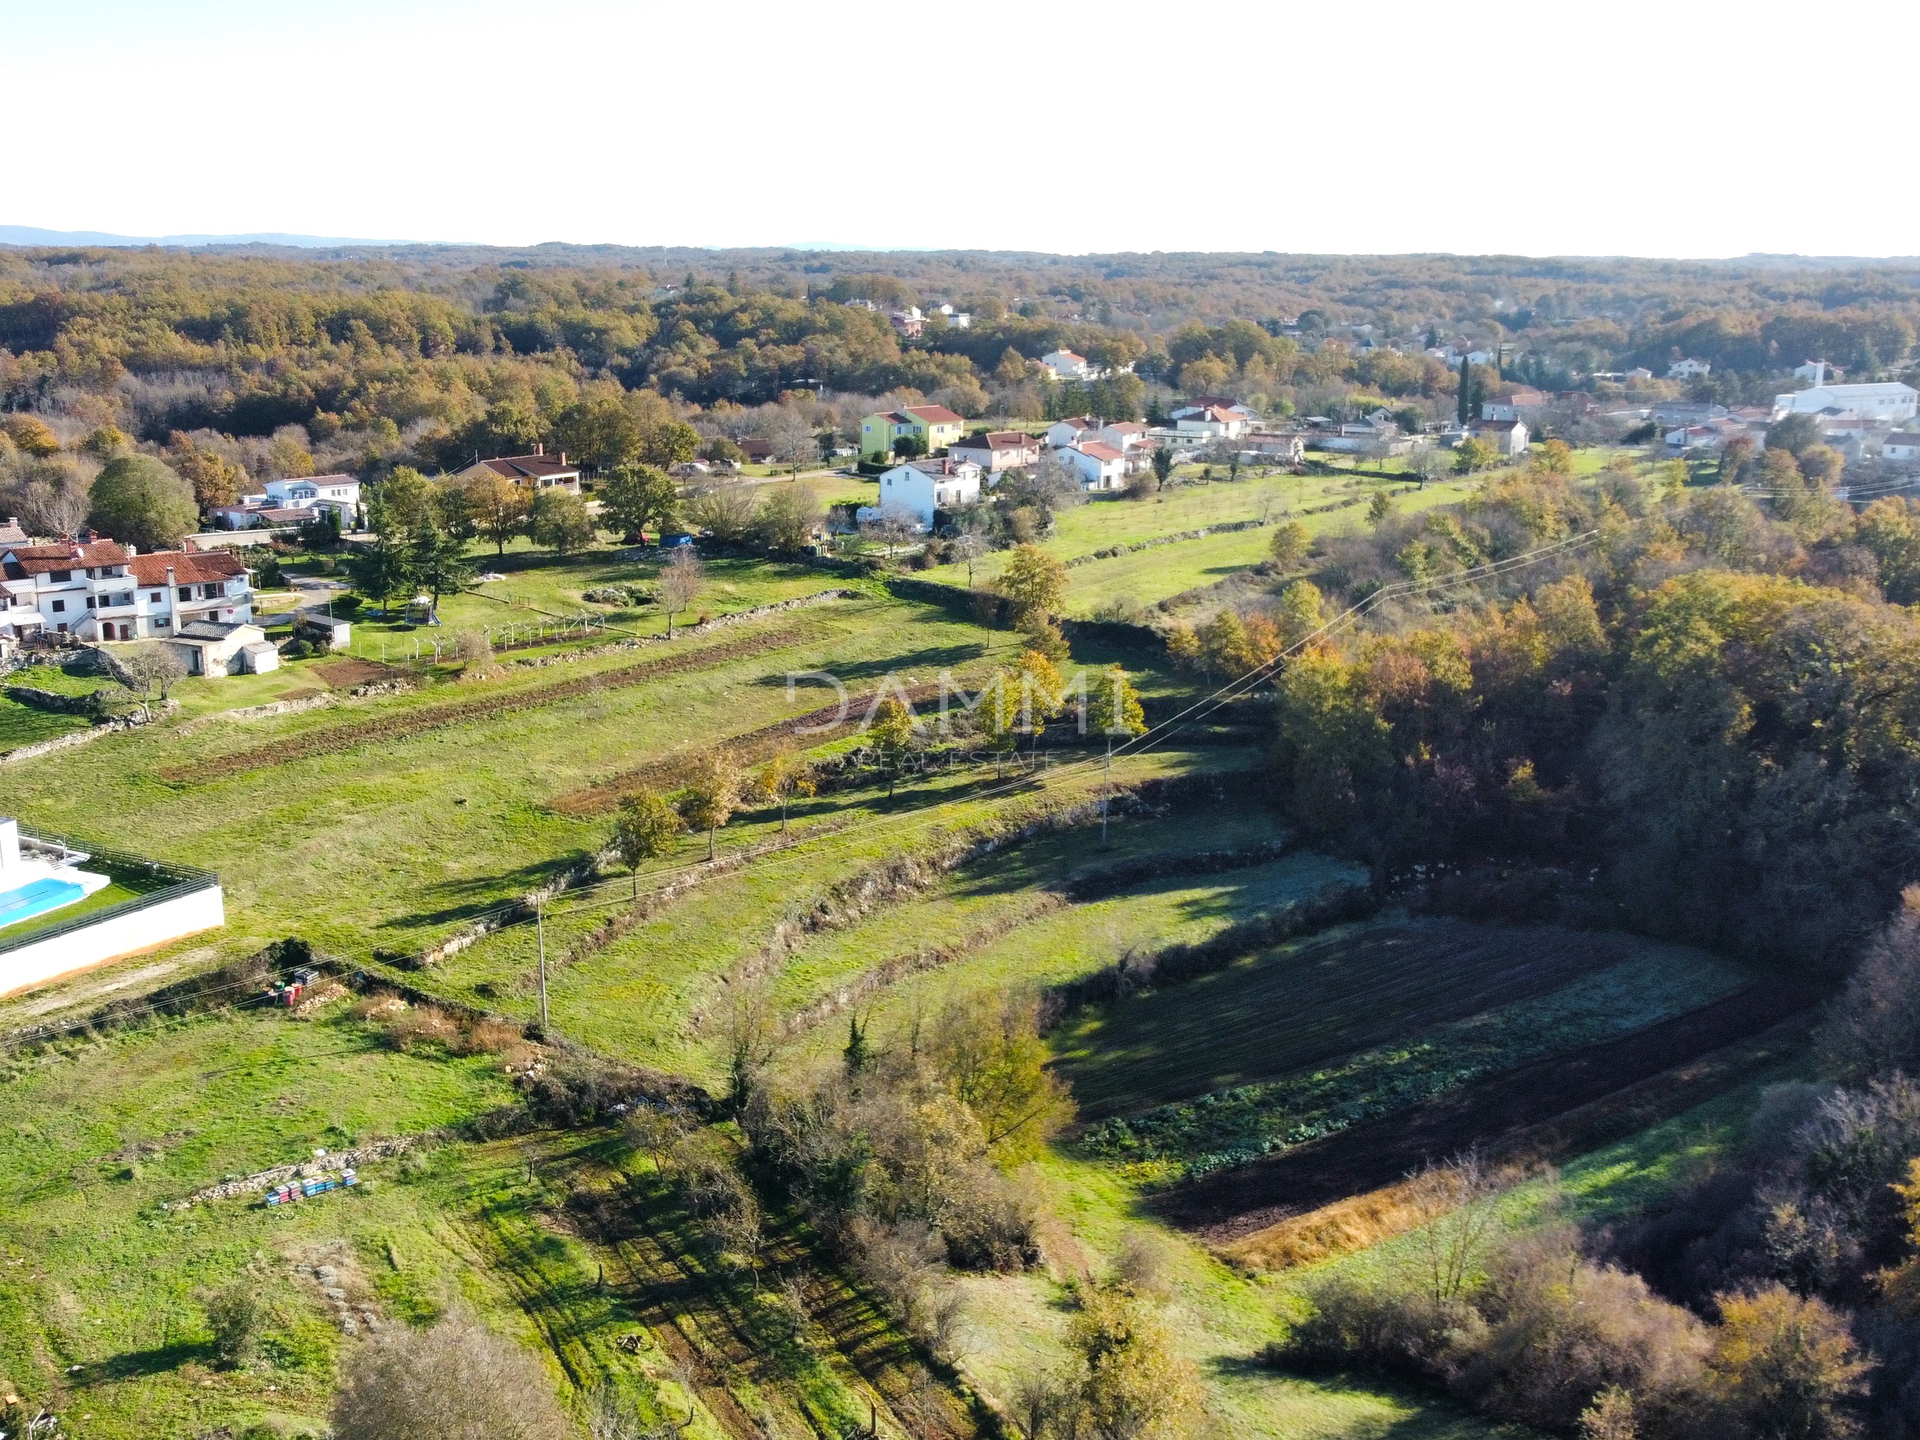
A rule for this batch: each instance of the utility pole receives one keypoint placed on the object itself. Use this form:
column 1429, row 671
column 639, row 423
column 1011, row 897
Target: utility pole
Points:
column 1106, row 789
column 540, row 929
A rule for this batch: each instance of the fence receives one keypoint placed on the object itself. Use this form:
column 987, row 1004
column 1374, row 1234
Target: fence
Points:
column 182, row 880
column 515, row 635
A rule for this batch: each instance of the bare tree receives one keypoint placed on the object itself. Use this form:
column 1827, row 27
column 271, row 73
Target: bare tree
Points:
column 893, row 526
column 453, row 1382
column 679, row 583
column 151, row 669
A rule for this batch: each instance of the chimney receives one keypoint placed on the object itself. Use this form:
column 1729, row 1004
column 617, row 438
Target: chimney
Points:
column 539, row 447
column 132, row 550
column 563, row 457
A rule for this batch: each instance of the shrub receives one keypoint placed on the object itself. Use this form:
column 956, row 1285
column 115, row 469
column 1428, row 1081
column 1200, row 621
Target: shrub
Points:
column 236, row 1316
column 1561, row 1330
column 422, row 1025
column 453, row 1382
column 1874, row 1026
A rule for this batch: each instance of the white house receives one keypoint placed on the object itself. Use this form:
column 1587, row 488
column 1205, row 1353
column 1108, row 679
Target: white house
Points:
column 212, row 648
column 1199, row 404
column 1510, row 436
column 1100, row 467
column 1688, row 369
column 1065, row 365
column 339, row 491
column 1071, row 431
column 997, row 450
column 1888, row 401
column 1213, row 423
column 1510, row 407
column 99, row 590
column 538, row 471
column 924, row 486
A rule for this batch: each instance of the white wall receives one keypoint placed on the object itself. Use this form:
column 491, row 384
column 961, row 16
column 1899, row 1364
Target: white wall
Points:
column 113, row 938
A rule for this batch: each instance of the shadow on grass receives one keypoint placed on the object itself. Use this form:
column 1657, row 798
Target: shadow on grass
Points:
column 934, row 658
column 482, row 893
column 138, row 1364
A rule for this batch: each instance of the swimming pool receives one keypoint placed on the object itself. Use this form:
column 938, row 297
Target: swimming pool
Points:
column 36, row 899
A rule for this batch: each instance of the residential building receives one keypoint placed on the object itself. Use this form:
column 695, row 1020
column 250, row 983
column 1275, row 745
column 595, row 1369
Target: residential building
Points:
column 1814, row 372
column 758, row 452
column 1213, row 423
column 1072, row 431
column 1200, row 404
column 339, row 492
column 538, row 471
column 997, row 450
column 1065, row 365
column 935, row 426
column 11, row 533
column 1100, row 467
column 1510, row 436
column 214, row 648
column 1122, row 435
column 925, row 486
column 250, row 517
column 1510, row 407
column 1688, row 369
column 1890, row 401
column 1683, row 412
column 1288, row 447
column 908, row 323
column 958, row 319
column 1901, row 445
column 97, row 590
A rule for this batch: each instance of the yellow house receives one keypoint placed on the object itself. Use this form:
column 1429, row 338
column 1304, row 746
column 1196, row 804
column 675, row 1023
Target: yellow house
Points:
column 935, row 426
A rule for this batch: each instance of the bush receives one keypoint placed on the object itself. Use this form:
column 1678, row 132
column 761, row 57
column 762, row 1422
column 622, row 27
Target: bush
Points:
column 236, row 1316
column 1874, row 1026
column 1784, row 1367
column 453, row 1382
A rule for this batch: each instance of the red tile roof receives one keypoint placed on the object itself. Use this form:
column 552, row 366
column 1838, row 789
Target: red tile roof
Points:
column 67, row 555
column 190, row 567
column 935, row 415
column 1098, row 451
column 998, row 440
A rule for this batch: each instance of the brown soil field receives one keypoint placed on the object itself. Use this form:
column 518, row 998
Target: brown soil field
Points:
column 347, row 673
column 1495, row 1115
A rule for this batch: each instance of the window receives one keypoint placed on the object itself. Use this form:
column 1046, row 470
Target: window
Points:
column 90, row 602
column 186, row 592
column 59, row 607
column 60, row 577
column 155, row 598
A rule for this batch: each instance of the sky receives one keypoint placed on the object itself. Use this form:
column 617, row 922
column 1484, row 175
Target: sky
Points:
column 1685, row 128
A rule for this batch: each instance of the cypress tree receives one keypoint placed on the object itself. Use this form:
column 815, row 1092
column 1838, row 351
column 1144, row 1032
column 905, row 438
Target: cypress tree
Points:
column 1466, row 390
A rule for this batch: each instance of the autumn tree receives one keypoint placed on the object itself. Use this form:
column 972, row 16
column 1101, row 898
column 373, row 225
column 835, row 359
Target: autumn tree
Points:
column 709, row 794
column 215, row 479
column 1131, row 1382
column 785, row 777
column 1785, row 1367
column 1553, row 457
column 1113, row 709
column 1288, row 544
column 892, row 733
column 991, row 1056
column 666, row 443
column 498, row 506
column 1034, row 582
column 787, row 519
column 643, row 830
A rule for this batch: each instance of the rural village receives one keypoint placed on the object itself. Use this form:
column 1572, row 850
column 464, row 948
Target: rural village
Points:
column 780, row 844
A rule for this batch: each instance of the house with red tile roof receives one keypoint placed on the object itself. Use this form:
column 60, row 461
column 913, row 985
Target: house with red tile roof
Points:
column 538, row 471
column 96, row 589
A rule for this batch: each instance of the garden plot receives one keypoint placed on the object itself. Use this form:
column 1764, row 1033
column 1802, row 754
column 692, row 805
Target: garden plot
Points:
column 1229, row 1127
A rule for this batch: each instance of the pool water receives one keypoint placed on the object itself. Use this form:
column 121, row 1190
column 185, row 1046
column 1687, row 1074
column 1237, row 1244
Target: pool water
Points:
column 36, row 899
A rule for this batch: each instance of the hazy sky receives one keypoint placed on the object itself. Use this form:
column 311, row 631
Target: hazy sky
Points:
column 1672, row 128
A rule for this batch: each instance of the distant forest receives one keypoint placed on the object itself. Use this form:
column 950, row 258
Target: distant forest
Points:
column 366, row 358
